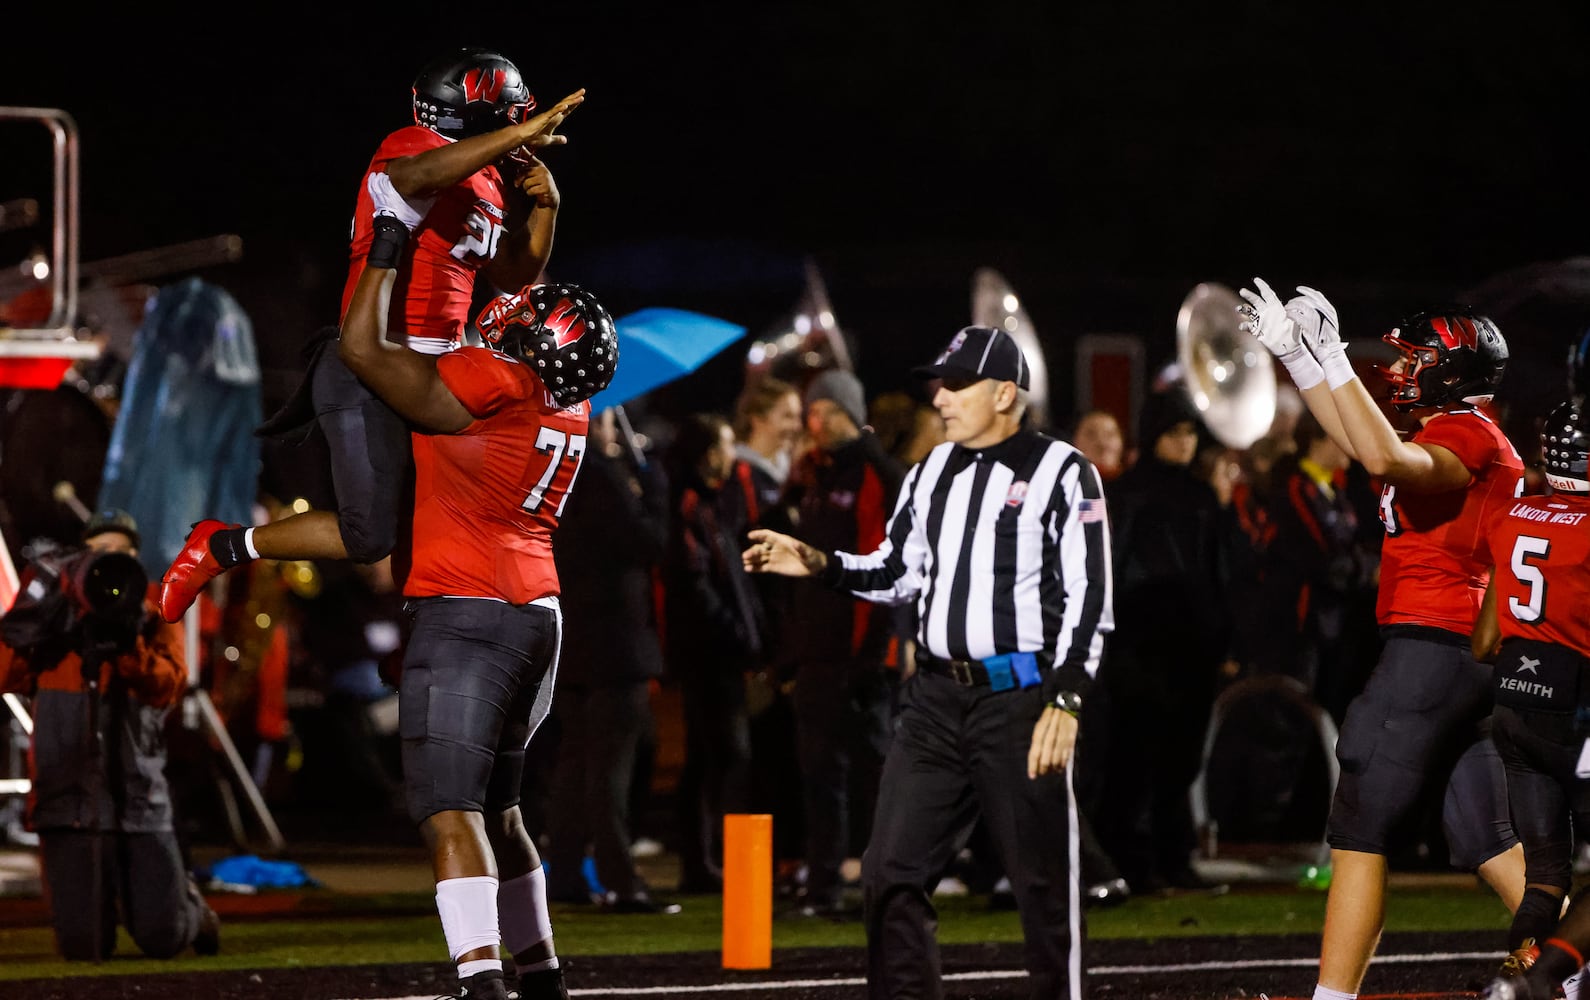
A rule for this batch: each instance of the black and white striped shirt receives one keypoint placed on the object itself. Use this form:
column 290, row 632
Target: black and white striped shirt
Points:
column 1005, row 549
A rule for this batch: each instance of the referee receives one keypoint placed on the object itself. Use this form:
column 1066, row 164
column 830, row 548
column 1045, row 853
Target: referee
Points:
column 1000, row 536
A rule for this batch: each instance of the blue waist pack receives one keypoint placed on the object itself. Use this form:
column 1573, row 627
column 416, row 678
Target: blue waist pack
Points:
column 1012, row 670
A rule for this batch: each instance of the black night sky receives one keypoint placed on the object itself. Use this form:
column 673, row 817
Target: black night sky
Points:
column 1105, row 157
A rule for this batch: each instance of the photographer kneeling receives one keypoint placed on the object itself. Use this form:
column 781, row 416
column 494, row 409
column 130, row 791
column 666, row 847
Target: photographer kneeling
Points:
column 86, row 643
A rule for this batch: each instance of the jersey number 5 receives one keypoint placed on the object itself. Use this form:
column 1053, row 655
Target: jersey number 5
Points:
column 1526, row 548
column 556, row 445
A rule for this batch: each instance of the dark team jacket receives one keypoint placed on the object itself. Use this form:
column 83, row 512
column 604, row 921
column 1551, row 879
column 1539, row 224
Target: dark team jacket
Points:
column 758, row 489
column 839, row 501
column 752, row 497
column 609, row 542
column 714, row 622
column 1171, row 560
column 136, row 690
column 1315, row 560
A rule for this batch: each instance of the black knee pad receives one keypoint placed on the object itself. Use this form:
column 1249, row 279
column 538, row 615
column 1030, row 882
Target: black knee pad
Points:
column 1474, row 814
column 369, row 451
column 445, row 767
column 366, row 541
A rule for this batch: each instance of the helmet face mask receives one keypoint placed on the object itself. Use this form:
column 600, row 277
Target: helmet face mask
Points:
column 1445, row 358
column 470, row 92
column 562, row 332
column 1565, row 447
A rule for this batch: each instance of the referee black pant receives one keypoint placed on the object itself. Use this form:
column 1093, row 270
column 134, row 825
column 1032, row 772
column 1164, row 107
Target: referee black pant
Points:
column 957, row 753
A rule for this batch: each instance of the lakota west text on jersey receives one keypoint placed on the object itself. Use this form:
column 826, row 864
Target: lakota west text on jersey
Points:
column 1542, row 555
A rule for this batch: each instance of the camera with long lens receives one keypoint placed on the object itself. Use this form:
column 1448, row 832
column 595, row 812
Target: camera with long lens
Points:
column 76, row 599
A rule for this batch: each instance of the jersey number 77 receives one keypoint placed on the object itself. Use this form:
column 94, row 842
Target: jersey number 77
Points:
column 558, row 446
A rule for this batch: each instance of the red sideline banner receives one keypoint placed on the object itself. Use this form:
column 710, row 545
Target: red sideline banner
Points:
column 33, row 373
column 1110, row 375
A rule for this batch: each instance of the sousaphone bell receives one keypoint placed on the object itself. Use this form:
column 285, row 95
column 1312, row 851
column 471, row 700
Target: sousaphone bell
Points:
column 1228, row 375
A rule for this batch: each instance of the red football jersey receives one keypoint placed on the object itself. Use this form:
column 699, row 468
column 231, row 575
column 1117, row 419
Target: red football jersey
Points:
column 430, row 301
column 1434, row 563
column 1541, row 548
column 487, row 498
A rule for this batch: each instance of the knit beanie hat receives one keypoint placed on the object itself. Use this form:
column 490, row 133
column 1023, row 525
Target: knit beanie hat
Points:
column 1161, row 411
column 843, row 389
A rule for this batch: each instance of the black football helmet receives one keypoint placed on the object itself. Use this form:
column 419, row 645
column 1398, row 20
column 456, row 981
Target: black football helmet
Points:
column 1451, row 356
column 562, row 332
column 470, row 91
column 1565, row 445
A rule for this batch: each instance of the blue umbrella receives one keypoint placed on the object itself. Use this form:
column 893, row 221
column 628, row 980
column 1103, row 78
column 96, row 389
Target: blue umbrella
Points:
column 657, row 346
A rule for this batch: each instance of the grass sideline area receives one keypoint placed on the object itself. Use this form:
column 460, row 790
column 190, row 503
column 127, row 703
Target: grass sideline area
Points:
column 403, row 928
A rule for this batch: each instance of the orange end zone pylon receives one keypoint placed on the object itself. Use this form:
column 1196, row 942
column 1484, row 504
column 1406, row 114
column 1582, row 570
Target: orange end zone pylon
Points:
column 747, row 891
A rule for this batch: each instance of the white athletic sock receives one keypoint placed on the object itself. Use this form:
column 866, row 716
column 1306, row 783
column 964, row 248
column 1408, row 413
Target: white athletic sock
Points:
column 1321, row 993
column 467, row 969
column 248, row 543
column 468, row 908
column 522, row 908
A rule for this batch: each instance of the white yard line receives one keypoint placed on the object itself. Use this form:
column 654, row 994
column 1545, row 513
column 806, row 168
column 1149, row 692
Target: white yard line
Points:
column 992, row 974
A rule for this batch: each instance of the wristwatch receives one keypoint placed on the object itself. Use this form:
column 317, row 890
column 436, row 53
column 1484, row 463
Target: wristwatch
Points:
column 1069, row 702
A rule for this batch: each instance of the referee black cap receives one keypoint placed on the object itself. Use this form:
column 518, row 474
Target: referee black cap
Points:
column 980, row 352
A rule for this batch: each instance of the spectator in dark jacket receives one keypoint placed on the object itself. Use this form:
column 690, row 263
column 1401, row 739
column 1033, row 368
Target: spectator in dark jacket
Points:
column 1318, row 570
column 767, row 425
column 1162, row 662
column 839, row 497
column 99, row 801
column 713, row 637
column 610, row 540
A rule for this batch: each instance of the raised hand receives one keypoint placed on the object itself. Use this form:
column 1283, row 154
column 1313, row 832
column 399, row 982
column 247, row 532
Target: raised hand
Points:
column 542, row 129
column 537, row 183
column 1316, row 320
column 1266, row 318
column 1320, row 332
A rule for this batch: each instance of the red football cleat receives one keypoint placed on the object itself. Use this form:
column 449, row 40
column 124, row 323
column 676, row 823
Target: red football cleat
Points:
column 191, row 570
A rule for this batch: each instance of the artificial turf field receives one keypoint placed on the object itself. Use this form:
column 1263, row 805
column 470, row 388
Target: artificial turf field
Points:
column 1442, row 942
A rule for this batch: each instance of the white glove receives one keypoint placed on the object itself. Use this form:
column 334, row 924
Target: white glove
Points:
column 1320, row 331
column 389, row 202
column 1267, row 319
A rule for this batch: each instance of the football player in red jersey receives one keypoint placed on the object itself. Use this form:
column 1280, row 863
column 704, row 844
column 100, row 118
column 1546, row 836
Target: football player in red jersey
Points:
column 479, row 202
column 500, row 435
column 1417, row 718
column 1533, row 626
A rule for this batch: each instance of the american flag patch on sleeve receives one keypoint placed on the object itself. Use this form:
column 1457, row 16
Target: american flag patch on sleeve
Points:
column 1090, row 511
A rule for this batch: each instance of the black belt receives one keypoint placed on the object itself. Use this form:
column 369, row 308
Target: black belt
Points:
column 967, row 673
